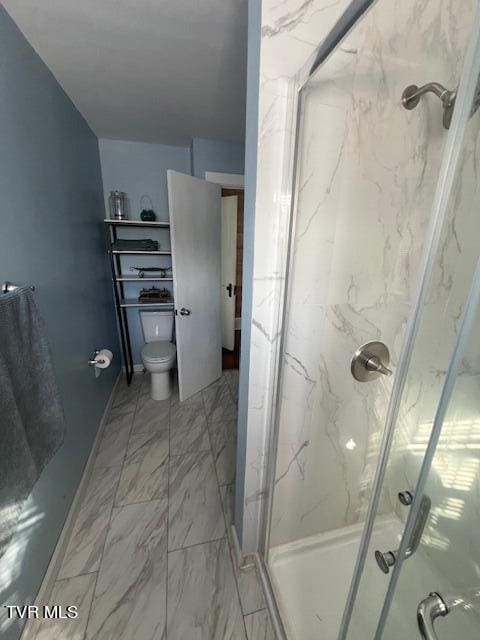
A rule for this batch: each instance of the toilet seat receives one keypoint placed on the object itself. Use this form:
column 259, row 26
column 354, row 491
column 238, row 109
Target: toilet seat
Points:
column 158, row 351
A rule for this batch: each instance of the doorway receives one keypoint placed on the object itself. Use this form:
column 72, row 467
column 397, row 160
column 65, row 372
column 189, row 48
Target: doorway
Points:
column 231, row 348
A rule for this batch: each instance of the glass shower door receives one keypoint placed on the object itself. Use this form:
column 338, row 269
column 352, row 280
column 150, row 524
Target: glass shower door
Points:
column 450, row 269
column 435, row 590
column 351, row 285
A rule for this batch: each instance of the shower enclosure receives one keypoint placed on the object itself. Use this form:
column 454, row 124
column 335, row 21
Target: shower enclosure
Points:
column 370, row 529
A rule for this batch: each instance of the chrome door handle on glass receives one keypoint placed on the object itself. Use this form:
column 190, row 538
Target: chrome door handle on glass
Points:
column 405, row 497
column 370, row 361
column 428, row 611
column 184, row 312
column 387, row 559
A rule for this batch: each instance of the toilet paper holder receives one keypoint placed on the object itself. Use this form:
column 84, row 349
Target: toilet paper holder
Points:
column 101, row 359
column 92, row 362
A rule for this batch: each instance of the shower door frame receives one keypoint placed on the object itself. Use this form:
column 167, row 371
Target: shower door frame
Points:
column 346, row 23
column 296, row 86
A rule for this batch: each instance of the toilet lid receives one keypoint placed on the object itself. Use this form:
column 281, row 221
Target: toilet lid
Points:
column 158, row 351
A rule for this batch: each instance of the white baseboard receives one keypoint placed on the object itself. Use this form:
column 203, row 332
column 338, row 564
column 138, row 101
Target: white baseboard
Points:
column 137, row 368
column 46, row 587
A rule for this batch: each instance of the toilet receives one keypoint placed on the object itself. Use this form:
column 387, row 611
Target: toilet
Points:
column 158, row 352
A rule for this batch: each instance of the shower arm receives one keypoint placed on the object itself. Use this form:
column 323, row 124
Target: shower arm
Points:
column 412, row 94
column 445, row 95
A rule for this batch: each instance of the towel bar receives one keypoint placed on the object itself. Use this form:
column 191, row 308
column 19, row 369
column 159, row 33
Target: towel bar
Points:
column 7, row 287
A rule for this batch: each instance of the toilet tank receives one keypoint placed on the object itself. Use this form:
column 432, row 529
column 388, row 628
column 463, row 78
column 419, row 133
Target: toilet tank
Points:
column 157, row 325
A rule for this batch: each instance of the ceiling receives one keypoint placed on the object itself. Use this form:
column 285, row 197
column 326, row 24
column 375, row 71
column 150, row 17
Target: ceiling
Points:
column 149, row 70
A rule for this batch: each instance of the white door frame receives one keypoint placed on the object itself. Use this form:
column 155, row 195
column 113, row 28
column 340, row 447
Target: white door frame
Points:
column 226, row 180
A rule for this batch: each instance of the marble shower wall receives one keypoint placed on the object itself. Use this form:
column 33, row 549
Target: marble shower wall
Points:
column 367, row 174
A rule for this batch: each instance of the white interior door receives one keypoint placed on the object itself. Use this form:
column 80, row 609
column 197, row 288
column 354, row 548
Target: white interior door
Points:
column 229, row 267
column 195, row 224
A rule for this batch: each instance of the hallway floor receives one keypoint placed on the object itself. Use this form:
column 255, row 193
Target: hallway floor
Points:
column 149, row 556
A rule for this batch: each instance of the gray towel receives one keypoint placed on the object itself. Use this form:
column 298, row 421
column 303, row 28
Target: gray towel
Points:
column 32, row 424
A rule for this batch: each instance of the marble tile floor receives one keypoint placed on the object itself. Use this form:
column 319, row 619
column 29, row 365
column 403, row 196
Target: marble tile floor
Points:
column 150, row 555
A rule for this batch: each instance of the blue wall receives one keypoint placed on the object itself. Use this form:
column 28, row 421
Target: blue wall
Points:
column 215, row 155
column 141, row 169
column 138, row 169
column 251, row 141
column 51, row 235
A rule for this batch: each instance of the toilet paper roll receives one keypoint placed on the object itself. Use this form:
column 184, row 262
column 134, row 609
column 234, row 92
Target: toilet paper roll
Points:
column 103, row 359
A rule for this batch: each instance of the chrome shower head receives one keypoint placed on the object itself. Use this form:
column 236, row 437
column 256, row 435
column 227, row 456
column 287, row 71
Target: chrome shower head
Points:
column 412, row 94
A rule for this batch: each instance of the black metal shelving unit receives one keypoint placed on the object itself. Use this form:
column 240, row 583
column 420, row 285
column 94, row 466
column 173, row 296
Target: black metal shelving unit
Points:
column 122, row 304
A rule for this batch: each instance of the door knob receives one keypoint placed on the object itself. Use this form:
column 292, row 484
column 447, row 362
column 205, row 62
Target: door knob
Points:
column 230, row 290
column 370, row 361
column 184, row 312
column 429, row 609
